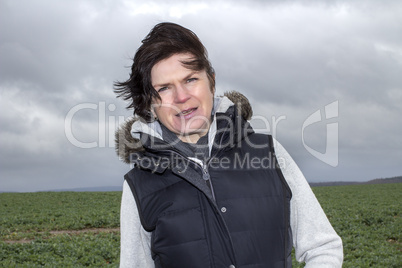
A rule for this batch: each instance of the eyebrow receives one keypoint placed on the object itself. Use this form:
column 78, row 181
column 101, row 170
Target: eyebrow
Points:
column 185, row 78
column 190, row 75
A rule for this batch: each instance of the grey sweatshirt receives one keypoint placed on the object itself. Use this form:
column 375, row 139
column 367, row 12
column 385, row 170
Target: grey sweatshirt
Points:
column 315, row 241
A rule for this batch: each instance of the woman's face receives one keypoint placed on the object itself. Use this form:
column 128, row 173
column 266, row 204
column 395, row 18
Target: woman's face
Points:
column 186, row 98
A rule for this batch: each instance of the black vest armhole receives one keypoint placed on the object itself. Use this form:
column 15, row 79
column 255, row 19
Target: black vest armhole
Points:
column 287, row 190
column 137, row 201
column 277, row 167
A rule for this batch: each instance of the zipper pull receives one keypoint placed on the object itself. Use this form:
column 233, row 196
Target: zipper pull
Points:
column 207, row 178
column 205, row 174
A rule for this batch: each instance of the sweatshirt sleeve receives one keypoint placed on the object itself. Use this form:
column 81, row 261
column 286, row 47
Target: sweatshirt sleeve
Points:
column 134, row 240
column 315, row 241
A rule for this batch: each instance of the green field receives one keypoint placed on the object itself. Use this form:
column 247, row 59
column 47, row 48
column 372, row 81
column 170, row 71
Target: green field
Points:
column 73, row 229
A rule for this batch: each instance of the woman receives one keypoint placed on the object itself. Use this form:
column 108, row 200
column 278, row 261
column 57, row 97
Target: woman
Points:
column 205, row 190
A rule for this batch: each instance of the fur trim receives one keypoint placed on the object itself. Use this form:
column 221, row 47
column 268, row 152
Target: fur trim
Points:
column 126, row 144
column 242, row 103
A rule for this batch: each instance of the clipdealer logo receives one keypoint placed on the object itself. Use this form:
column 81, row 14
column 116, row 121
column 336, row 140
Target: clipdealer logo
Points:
column 107, row 126
column 330, row 156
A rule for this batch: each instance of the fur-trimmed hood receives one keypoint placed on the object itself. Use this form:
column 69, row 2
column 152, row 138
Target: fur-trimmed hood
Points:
column 126, row 144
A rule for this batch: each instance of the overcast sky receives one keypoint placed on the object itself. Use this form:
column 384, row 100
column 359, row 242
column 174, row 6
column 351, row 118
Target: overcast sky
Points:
column 59, row 59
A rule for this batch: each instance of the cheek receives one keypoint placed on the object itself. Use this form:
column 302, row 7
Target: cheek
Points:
column 165, row 111
column 158, row 110
column 209, row 100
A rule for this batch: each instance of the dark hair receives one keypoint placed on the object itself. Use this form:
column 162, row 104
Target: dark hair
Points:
column 163, row 41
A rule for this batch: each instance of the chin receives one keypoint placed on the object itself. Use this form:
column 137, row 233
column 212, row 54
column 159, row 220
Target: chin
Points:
column 197, row 128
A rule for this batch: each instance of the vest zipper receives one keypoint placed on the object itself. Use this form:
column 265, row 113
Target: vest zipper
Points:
column 207, row 178
column 205, row 174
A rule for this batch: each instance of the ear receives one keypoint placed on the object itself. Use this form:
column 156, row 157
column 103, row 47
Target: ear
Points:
column 155, row 117
column 152, row 111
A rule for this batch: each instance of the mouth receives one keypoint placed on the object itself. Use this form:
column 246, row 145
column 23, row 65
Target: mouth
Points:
column 186, row 113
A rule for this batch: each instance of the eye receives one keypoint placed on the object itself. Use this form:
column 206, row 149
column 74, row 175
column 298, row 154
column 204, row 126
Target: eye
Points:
column 191, row 79
column 162, row 89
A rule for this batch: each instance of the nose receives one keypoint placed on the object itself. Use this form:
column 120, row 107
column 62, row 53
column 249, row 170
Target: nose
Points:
column 181, row 94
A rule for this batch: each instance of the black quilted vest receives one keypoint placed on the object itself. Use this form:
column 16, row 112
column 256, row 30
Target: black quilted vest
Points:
column 234, row 212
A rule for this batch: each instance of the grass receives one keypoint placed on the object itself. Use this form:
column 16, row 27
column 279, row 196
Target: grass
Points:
column 80, row 250
column 367, row 217
column 32, row 215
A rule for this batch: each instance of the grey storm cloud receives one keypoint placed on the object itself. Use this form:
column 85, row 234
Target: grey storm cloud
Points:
column 290, row 58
